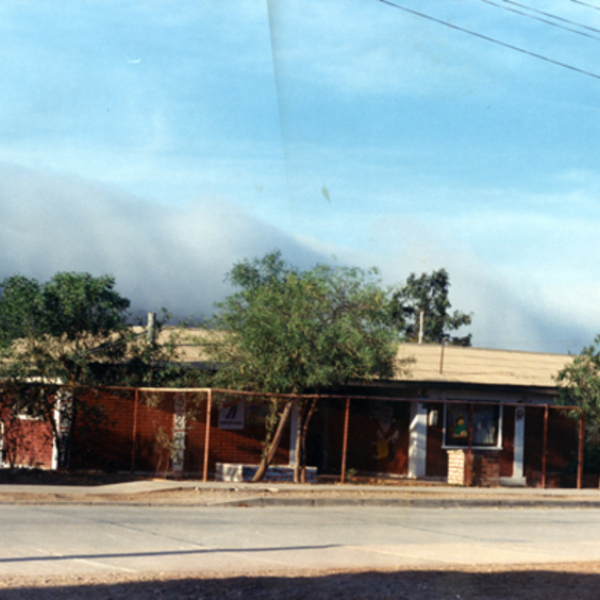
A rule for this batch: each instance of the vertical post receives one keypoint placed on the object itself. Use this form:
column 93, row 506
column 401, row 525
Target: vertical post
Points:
column 207, row 434
column 294, row 427
column 151, row 331
column 544, row 446
column 442, row 356
column 345, row 441
column 470, row 453
column 134, row 428
column 421, row 323
column 580, row 451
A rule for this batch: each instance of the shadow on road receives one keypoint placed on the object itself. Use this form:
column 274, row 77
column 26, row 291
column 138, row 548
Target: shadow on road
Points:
column 109, row 555
column 402, row 585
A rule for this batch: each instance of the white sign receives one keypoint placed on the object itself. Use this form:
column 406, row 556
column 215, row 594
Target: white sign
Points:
column 232, row 415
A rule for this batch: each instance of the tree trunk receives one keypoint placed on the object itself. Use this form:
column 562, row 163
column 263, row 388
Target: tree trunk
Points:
column 298, row 447
column 268, row 457
column 304, row 420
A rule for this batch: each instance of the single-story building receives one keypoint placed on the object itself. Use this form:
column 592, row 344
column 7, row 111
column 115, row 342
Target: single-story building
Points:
column 491, row 402
column 450, row 403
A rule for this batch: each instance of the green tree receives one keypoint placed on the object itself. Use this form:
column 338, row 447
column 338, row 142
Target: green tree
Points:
column 71, row 331
column 291, row 331
column 20, row 309
column 428, row 294
column 580, row 386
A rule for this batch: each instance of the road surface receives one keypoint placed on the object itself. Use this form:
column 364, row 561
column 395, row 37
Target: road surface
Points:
column 70, row 540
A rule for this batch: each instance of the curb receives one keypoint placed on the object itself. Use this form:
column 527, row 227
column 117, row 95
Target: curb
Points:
column 407, row 503
column 332, row 503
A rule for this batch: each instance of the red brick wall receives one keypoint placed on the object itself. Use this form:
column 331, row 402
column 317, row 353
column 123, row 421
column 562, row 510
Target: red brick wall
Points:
column 561, row 442
column 102, row 436
column 107, row 440
column 326, row 434
column 507, row 454
column 231, row 445
column 27, row 442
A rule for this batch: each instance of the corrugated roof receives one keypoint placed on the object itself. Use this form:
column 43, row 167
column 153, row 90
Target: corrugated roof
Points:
column 481, row 366
column 459, row 365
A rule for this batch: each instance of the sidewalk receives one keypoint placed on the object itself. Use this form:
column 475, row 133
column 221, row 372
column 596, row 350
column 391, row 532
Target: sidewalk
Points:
column 186, row 492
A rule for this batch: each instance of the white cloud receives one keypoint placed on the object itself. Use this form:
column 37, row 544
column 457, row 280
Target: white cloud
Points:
column 520, row 308
column 160, row 256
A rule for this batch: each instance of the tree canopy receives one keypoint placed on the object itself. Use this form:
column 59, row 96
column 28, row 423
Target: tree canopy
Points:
column 75, row 329
column 58, row 329
column 72, row 330
column 291, row 331
column 428, row 294
column 580, row 386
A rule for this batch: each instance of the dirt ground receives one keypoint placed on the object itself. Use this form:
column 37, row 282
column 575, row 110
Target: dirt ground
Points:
column 521, row 582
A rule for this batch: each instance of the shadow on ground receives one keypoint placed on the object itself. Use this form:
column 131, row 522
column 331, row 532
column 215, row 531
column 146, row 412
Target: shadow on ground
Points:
column 23, row 476
column 403, row 585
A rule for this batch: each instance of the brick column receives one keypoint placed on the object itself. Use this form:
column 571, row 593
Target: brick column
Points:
column 457, row 463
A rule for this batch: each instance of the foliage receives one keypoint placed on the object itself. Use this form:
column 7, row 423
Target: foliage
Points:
column 55, row 331
column 20, row 310
column 72, row 331
column 428, row 294
column 580, row 386
column 293, row 331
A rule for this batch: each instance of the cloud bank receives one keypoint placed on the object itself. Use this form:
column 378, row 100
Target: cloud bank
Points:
column 160, row 255
column 177, row 257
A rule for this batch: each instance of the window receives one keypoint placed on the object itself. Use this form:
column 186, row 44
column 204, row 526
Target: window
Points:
column 487, row 421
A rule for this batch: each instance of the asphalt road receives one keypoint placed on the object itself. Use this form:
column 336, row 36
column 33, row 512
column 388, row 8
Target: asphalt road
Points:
column 72, row 540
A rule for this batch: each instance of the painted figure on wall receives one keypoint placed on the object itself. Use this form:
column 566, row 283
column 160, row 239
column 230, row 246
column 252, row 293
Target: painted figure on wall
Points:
column 386, row 437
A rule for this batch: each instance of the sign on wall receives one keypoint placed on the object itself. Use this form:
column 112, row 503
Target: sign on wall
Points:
column 232, row 415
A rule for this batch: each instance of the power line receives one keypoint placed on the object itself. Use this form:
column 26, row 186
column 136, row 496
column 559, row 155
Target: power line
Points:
column 552, row 16
column 546, row 21
column 492, row 40
column 586, row 4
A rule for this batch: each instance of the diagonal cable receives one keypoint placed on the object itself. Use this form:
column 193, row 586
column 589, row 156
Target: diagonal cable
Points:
column 546, row 21
column 492, row 40
column 586, row 4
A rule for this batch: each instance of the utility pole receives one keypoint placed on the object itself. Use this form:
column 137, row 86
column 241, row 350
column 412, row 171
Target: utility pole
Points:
column 151, row 331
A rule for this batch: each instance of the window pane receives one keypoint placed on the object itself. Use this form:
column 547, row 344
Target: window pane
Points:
column 457, row 425
column 486, row 425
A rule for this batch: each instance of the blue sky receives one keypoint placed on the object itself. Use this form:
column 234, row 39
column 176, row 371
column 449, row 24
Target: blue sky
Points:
column 161, row 141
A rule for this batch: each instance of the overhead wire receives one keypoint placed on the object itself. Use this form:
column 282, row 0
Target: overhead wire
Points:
column 586, row 4
column 552, row 16
column 546, row 21
column 492, row 40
